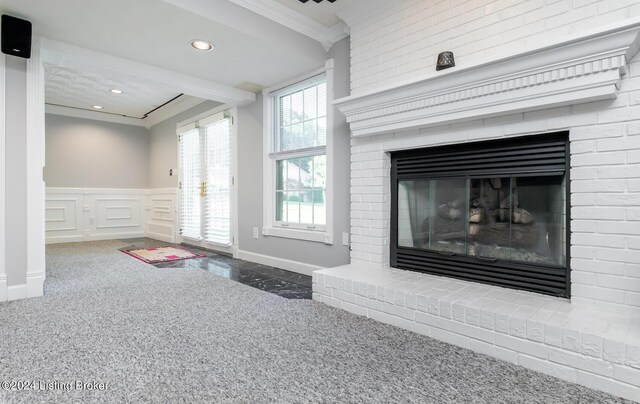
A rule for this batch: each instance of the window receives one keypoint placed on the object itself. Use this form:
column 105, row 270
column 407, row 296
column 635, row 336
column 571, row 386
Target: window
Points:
column 297, row 184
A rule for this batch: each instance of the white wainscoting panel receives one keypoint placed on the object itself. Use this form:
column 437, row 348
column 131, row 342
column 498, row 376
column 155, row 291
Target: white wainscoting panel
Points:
column 63, row 215
column 115, row 213
column 162, row 221
column 86, row 214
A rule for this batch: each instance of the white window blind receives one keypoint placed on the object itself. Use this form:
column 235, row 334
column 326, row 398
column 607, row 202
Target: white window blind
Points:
column 217, row 224
column 206, row 184
column 190, row 208
column 299, row 116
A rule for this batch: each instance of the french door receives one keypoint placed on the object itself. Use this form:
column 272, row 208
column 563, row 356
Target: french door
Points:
column 205, row 154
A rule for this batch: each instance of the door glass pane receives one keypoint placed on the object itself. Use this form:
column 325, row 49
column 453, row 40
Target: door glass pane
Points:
column 191, row 178
column 218, row 177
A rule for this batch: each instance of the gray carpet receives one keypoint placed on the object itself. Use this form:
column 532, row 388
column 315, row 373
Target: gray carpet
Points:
column 185, row 335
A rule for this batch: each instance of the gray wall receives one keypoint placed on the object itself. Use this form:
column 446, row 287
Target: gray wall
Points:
column 162, row 156
column 16, row 171
column 250, row 140
column 84, row 153
column 163, row 147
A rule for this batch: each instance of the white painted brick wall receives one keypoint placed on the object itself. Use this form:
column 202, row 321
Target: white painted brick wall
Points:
column 396, row 41
column 605, row 185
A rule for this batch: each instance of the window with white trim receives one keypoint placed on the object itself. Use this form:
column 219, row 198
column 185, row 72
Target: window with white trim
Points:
column 297, row 180
column 299, row 154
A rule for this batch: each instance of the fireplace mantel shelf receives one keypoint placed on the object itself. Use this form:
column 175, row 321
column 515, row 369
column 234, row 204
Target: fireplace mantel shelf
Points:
column 584, row 69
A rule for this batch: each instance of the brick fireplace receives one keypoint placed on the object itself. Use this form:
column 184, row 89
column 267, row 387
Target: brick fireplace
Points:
column 588, row 86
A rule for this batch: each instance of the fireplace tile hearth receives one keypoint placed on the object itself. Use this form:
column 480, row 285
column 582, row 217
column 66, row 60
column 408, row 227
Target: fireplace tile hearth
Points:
column 540, row 332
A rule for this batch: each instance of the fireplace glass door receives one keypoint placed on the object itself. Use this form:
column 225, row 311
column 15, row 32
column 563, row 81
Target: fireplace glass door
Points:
column 488, row 218
column 493, row 212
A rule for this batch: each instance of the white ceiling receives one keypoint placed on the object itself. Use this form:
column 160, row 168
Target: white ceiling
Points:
column 323, row 12
column 81, row 87
column 251, row 50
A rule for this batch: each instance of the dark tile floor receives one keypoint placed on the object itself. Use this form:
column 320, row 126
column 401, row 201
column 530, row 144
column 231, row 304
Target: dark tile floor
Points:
column 283, row 283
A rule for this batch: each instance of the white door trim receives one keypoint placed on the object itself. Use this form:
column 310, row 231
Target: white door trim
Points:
column 233, row 248
column 3, row 170
column 35, row 165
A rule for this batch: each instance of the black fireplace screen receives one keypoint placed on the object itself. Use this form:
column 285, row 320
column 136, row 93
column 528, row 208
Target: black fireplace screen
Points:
column 493, row 212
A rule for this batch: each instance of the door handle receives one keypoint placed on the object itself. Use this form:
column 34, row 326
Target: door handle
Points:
column 203, row 189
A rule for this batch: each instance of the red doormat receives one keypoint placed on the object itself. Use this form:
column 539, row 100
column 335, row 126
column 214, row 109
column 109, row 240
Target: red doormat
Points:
column 160, row 254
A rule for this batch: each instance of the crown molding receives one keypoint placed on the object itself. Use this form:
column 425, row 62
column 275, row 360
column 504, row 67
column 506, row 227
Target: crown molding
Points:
column 283, row 15
column 583, row 69
column 336, row 33
column 57, row 52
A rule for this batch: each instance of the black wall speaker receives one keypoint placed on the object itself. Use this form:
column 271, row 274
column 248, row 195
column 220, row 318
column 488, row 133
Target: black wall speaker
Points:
column 16, row 36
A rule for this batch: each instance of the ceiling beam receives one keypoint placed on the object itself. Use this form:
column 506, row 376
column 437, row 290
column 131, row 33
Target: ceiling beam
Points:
column 172, row 109
column 180, row 105
column 292, row 19
column 58, row 52
column 93, row 115
column 279, row 13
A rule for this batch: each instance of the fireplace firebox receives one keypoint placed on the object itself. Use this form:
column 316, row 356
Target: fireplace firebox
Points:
column 494, row 212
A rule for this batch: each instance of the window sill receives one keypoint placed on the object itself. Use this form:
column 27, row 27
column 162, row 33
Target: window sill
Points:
column 299, row 234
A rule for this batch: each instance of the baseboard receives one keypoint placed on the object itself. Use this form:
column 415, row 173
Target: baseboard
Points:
column 99, row 237
column 17, row 292
column 3, row 288
column 33, row 288
column 35, row 285
column 289, row 265
column 95, row 237
column 115, row 236
column 160, row 237
column 160, row 191
column 225, row 250
column 64, row 239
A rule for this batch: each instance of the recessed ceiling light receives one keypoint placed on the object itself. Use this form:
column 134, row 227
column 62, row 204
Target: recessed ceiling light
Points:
column 96, row 106
column 199, row 44
column 116, row 91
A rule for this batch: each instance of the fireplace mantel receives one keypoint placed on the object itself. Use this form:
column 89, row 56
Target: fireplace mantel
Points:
column 584, row 69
